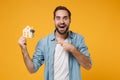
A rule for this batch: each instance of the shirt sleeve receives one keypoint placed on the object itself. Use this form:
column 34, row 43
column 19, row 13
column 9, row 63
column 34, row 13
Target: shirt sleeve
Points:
column 38, row 57
column 84, row 49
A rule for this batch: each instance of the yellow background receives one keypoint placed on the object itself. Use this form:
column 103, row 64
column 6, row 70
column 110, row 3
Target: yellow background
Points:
column 97, row 20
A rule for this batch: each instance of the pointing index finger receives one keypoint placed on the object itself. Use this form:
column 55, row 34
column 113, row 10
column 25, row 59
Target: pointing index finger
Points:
column 59, row 42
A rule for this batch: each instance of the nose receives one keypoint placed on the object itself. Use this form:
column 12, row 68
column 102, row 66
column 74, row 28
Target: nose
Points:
column 61, row 21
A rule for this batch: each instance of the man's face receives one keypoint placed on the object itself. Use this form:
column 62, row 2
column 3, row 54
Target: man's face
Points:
column 62, row 21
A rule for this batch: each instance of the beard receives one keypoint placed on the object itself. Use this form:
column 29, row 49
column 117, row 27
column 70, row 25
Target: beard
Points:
column 62, row 29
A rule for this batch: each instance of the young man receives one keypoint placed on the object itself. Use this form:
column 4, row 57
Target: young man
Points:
column 63, row 51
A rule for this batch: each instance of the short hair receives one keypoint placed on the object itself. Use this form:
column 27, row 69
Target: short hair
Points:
column 62, row 8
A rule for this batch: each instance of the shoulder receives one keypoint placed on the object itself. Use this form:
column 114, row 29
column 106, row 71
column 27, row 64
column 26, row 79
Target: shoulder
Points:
column 77, row 36
column 46, row 38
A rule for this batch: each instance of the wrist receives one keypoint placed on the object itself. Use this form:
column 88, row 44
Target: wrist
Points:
column 23, row 47
column 24, row 50
column 73, row 49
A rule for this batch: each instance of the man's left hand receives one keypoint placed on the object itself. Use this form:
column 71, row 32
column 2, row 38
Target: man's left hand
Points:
column 67, row 46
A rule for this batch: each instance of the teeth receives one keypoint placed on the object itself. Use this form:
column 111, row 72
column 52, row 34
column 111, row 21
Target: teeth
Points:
column 61, row 26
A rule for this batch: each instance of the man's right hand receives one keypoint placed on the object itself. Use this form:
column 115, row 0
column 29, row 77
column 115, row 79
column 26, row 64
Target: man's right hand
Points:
column 28, row 62
column 22, row 42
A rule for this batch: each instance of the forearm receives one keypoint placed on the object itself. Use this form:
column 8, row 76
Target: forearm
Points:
column 28, row 62
column 82, row 59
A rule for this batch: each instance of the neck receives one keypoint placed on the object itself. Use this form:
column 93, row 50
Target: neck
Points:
column 61, row 36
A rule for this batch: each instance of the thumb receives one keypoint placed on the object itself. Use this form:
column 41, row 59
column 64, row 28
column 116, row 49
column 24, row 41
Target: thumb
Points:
column 59, row 42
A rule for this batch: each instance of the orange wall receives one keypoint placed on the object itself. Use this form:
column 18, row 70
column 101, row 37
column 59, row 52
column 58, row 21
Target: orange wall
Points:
column 97, row 20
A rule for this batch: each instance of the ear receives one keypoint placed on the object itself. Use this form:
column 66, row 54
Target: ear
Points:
column 53, row 20
column 70, row 20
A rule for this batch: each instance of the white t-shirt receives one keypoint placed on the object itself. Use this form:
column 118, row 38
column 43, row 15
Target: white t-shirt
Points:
column 61, row 63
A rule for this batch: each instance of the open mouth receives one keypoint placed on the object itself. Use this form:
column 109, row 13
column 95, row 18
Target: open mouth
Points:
column 62, row 27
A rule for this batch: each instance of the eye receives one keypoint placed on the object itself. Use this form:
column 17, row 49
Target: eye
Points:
column 57, row 18
column 66, row 17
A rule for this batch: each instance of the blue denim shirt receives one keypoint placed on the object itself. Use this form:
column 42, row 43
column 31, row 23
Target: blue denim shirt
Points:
column 45, row 50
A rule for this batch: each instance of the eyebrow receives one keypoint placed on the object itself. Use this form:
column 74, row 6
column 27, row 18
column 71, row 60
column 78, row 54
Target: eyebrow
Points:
column 63, row 16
